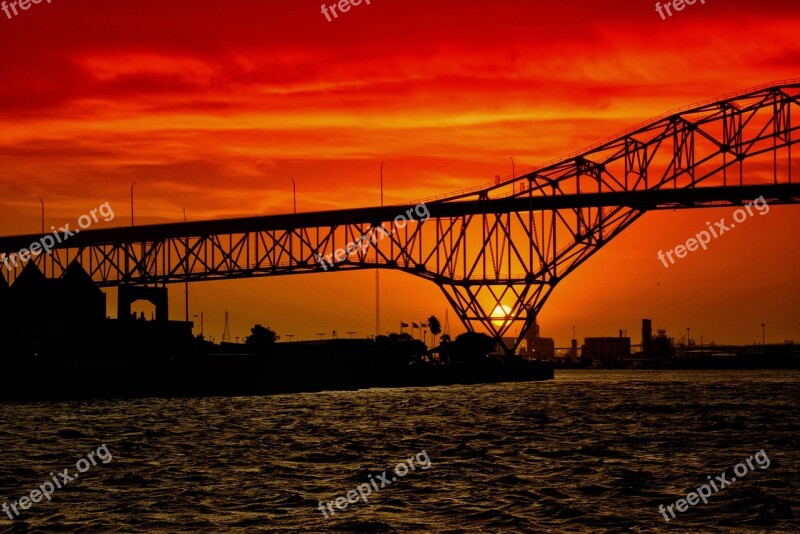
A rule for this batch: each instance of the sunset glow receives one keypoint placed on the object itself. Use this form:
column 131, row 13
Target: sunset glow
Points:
column 214, row 107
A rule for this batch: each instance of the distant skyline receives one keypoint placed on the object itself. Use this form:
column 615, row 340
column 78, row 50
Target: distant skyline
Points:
column 214, row 108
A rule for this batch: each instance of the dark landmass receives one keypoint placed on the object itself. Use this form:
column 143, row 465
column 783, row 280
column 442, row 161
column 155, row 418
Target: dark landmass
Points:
column 770, row 356
column 130, row 359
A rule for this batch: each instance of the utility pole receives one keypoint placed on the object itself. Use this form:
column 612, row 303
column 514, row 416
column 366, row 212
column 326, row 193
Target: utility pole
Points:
column 226, row 332
column 378, row 278
column 187, row 263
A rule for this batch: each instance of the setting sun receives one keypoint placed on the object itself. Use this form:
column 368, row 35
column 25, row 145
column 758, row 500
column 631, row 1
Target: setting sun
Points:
column 503, row 314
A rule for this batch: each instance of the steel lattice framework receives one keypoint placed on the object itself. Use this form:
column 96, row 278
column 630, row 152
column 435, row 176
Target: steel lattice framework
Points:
column 497, row 251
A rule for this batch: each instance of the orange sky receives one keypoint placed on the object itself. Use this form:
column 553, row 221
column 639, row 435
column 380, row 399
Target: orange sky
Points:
column 212, row 106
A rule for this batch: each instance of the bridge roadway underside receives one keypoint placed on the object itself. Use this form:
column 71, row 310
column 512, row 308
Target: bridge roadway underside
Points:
column 646, row 200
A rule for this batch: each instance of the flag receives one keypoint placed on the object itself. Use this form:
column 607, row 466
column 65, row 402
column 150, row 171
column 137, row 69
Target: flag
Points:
column 414, row 325
column 403, row 325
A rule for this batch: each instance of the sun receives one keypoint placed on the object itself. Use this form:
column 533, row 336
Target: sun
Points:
column 502, row 313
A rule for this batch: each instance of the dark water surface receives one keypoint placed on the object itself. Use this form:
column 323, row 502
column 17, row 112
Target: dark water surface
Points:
column 591, row 451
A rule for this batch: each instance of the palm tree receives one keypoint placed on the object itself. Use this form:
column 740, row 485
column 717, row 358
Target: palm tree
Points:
column 435, row 326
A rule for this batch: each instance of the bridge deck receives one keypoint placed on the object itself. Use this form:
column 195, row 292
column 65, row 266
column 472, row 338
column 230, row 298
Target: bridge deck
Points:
column 645, row 200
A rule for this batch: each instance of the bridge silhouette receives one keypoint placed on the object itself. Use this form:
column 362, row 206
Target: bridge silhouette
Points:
column 497, row 251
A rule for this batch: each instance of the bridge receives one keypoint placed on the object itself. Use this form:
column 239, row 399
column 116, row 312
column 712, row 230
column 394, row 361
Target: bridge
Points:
column 496, row 250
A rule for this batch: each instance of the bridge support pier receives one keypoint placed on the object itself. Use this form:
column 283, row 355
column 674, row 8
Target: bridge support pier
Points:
column 157, row 296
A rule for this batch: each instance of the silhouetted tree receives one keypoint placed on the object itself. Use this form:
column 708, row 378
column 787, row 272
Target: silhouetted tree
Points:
column 262, row 339
column 435, row 326
column 467, row 348
column 400, row 348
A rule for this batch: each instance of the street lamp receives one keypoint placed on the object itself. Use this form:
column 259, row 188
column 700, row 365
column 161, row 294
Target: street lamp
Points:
column 42, row 201
column 134, row 183
column 378, row 277
column 763, row 334
column 294, row 193
column 513, row 169
column 186, row 283
column 688, row 335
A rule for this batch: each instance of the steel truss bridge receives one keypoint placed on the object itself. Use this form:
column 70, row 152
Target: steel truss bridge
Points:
column 496, row 251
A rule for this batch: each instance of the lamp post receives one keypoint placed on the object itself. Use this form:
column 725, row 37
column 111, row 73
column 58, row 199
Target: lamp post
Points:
column 294, row 193
column 134, row 183
column 763, row 334
column 688, row 335
column 42, row 201
column 513, row 169
column 378, row 277
column 186, row 283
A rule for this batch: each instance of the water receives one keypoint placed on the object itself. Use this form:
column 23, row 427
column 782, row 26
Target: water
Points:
column 590, row 451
